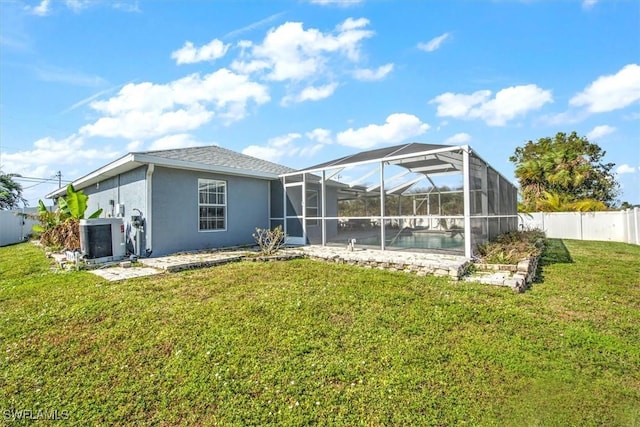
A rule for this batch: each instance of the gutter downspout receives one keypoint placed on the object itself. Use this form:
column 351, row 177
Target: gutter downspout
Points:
column 149, row 185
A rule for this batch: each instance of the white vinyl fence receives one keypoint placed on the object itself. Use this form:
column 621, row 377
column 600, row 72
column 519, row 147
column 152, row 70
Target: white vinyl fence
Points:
column 15, row 227
column 614, row 226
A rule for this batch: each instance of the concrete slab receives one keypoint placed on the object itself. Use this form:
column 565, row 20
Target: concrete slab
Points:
column 188, row 261
column 120, row 273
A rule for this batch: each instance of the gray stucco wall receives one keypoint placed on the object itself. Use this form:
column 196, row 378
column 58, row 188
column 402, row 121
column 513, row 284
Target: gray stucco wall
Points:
column 175, row 211
column 128, row 190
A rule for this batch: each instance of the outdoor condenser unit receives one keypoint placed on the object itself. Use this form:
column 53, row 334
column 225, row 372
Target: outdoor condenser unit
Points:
column 102, row 239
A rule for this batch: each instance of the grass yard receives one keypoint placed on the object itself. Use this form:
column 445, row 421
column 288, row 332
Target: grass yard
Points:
column 303, row 342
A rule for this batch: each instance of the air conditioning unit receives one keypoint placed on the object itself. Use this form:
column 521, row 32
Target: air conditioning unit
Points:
column 102, row 239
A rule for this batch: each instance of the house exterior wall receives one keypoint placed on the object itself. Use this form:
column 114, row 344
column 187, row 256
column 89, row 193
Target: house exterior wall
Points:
column 174, row 220
column 127, row 190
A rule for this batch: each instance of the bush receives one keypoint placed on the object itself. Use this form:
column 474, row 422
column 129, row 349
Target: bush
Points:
column 269, row 241
column 61, row 229
column 509, row 248
column 65, row 235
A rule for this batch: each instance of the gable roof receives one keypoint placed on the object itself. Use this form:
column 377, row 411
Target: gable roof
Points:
column 219, row 157
column 210, row 158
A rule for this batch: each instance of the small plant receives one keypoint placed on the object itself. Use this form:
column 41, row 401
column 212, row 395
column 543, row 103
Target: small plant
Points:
column 509, row 248
column 269, row 241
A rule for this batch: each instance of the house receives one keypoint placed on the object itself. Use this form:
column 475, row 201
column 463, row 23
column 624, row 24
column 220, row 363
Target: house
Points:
column 387, row 198
column 188, row 198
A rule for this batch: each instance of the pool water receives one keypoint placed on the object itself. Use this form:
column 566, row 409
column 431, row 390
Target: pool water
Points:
column 418, row 241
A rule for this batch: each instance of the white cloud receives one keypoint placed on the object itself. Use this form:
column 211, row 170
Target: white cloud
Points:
column 624, row 168
column 311, row 93
column 136, row 124
column 588, row 4
column 341, row 3
column 47, row 151
column 132, row 7
column 134, row 146
column 265, row 153
column 322, row 136
column 77, row 5
column 43, row 9
column 600, row 131
column 459, row 105
column 366, row 74
column 507, row 104
column 309, row 61
column 290, row 52
column 397, row 128
column 180, row 140
column 611, row 92
column 189, row 54
column 147, row 110
column 458, row 138
column 290, row 145
column 275, row 149
column 434, row 43
column 283, row 141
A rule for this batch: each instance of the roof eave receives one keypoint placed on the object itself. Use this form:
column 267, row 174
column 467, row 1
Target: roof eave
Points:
column 121, row 165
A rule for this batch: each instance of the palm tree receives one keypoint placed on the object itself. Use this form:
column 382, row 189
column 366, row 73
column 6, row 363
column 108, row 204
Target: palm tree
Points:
column 10, row 192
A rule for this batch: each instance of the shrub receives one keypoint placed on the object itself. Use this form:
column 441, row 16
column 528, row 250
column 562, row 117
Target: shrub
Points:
column 61, row 229
column 509, row 248
column 269, row 241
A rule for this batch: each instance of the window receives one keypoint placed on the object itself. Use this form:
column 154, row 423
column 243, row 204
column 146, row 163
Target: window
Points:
column 311, row 208
column 212, row 204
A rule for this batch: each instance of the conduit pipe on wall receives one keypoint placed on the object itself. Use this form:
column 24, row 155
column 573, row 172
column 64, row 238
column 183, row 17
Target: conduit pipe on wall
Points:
column 149, row 229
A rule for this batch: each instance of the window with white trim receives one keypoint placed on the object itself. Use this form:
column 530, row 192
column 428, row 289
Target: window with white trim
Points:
column 212, row 205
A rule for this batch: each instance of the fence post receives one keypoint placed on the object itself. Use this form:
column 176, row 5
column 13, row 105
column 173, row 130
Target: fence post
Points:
column 627, row 225
column 636, row 224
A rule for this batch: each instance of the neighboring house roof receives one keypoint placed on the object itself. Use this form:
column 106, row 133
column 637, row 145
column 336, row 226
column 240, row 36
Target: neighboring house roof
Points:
column 207, row 159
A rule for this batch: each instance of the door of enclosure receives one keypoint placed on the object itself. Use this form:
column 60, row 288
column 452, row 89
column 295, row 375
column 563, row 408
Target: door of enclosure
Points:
column 294, row 214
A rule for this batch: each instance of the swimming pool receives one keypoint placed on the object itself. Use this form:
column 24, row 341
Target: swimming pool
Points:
column 417, row 241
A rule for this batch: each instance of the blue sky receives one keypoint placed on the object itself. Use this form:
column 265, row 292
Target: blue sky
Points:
column 83, row 82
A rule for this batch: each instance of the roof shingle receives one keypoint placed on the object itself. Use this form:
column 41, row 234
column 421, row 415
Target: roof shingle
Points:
column 213, row 155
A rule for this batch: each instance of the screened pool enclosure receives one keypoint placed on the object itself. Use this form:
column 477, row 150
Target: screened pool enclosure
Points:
column 416, row 197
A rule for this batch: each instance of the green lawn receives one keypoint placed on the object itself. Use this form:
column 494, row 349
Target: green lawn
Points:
column 304, row 342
